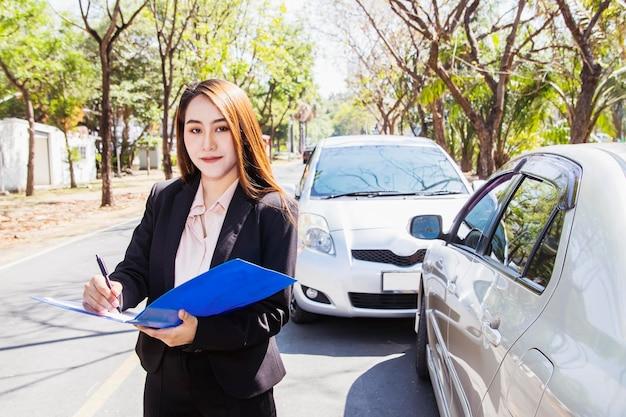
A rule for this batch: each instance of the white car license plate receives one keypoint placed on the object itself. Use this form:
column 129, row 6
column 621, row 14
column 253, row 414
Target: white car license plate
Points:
column 401, row 281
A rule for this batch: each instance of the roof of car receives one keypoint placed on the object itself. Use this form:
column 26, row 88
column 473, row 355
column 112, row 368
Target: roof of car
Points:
column 585, row 152
column 356, row 140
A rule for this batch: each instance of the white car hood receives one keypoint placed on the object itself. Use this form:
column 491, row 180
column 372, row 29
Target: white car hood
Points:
column 349, row 213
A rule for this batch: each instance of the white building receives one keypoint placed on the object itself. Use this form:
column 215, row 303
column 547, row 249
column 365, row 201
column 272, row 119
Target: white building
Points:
column 51, row 166
column 155, row 157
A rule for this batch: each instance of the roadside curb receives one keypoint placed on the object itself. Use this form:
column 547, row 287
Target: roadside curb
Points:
column 68, row 242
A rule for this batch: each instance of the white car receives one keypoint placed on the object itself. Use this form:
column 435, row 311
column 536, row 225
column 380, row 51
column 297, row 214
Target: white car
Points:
column 523, row 300
column 357, row 196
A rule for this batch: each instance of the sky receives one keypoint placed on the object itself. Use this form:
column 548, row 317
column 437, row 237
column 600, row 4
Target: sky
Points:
column 330, row 69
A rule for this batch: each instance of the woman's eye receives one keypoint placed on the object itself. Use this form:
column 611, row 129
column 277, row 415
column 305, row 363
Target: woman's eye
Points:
column 194, row 130
column 221, row 129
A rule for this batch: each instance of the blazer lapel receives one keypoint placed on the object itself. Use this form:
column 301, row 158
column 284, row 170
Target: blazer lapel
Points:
column 238, row 211
column 177, row 220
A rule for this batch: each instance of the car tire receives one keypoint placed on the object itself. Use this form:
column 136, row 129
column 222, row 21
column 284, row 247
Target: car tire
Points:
column 297, row 314
column 421, row 342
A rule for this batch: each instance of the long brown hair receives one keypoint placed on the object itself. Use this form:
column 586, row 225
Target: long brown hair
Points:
column 253, row 164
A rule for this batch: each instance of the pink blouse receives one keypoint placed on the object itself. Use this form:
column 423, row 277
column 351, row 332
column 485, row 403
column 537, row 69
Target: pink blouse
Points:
column 199, row 237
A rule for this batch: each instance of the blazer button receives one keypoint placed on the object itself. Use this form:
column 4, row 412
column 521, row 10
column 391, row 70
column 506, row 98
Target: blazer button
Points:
column 197, row 351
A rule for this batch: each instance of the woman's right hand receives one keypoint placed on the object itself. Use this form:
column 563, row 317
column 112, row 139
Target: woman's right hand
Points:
column 98, row 298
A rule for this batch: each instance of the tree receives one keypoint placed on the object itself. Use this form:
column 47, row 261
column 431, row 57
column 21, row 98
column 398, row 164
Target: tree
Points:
column 171, row 20
column 115, row 25
column 25, row 44
column 380, row 85
column 283, row 74
column 69, row 84
column 251, row 44
column 376, row 82
column 598, row 85
column 432, row 97
column 136, row 81
column 448, row 33
column 351, row 118
column 219, row 40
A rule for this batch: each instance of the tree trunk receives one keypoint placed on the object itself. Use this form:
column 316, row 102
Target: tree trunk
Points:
column 30, row 114
column 165, row 145
column 500, row 157
column 467, row 150
column 617, row 112
column 423, row 122
column 391, row 126
column 301, row 133
column 438, row 124
column 148, row 160
column 70, row 161
column 115, row 146
column 124, row 152
column 105, row 127
column 385, row 128
column 486, row 165
column 581, row 126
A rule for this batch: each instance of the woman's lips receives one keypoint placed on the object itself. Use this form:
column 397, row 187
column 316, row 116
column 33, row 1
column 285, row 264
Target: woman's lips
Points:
column 211, row 159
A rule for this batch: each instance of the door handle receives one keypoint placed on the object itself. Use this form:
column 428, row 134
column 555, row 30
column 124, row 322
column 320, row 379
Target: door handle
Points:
column 491, row 332
column 451, row 285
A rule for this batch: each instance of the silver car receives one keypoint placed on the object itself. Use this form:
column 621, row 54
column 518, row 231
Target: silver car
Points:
column 522, row 306
column 357, row 196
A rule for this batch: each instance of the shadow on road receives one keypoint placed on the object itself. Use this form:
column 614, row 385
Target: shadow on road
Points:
column 391, row 388
column 387, row 388
column 334, row 336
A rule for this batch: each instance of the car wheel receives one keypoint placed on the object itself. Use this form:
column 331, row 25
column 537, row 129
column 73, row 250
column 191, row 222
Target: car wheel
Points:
column 421, row 362
column 297, row 314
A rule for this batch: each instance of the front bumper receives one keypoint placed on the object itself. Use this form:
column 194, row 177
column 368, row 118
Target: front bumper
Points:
column 353, row 287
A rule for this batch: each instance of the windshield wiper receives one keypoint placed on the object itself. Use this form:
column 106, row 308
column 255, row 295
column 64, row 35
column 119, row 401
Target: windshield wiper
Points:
column 388, row 194
column 418, row 193
column 361, row 194
column 440, row 192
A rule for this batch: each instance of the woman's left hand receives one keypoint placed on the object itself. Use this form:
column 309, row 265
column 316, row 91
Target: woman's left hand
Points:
column 182, row 334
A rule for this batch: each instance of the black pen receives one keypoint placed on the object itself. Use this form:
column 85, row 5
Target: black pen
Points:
column 103, row 269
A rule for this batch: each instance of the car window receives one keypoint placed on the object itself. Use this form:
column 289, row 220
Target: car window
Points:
column 541, row 266
column 394, row 168
column 476, row 222
column 522, row 223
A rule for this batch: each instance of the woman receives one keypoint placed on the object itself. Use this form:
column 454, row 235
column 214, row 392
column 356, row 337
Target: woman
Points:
column 226, row 205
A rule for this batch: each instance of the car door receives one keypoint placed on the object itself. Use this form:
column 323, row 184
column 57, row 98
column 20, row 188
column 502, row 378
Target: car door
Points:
column 494, row 308
column 530, row 264
column 447, row 267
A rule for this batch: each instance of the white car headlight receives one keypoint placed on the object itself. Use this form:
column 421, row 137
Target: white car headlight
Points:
column 313, row 233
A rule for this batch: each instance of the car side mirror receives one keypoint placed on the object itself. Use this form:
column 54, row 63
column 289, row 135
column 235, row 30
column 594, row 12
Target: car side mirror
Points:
column 477, row 184
column 426, row 227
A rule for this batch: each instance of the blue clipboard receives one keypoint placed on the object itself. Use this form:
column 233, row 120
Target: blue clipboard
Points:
column 231, row 285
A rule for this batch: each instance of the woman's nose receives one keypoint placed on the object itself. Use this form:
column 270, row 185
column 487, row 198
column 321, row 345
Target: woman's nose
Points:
column 208, row 142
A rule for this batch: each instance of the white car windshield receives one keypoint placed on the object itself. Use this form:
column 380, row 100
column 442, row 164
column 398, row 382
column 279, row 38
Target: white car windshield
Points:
column 380, row 170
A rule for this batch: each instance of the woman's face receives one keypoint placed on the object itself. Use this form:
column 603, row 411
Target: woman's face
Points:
column 209, row 141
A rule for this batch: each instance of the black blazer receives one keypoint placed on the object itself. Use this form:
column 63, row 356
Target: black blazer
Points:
column 239, row 345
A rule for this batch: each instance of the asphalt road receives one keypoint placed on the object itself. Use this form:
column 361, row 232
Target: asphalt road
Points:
column 57, row 363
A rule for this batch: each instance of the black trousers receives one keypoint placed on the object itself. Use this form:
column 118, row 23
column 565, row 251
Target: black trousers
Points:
column 184, row 385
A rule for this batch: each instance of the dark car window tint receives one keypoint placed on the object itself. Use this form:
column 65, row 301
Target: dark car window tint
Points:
column 475, row 224
column 523, row 221
column 398, row 168
column 542, row 264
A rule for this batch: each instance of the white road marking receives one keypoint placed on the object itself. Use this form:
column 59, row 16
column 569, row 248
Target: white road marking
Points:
column 107, row 389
